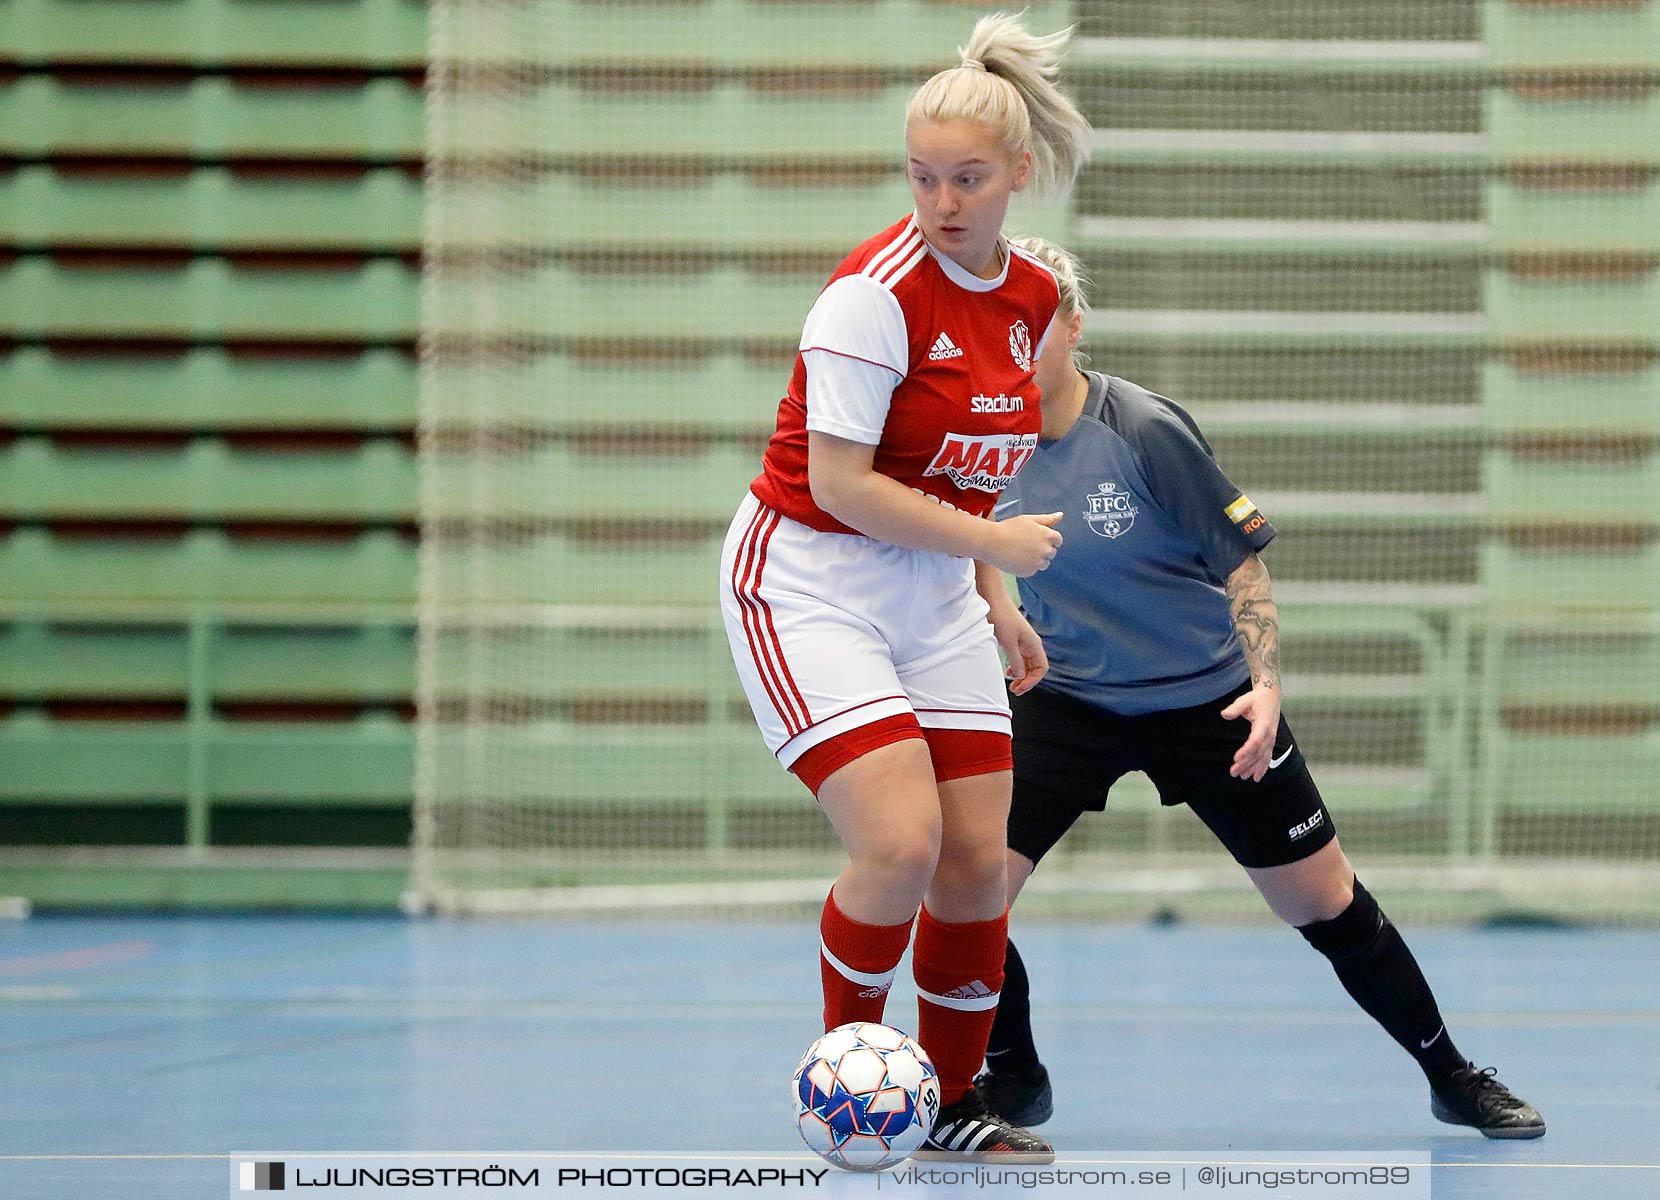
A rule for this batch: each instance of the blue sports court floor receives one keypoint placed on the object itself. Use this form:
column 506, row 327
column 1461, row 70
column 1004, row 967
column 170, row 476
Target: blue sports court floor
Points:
column 137, row 1053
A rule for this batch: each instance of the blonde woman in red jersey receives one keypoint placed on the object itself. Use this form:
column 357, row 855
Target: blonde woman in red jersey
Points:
column 850, row 585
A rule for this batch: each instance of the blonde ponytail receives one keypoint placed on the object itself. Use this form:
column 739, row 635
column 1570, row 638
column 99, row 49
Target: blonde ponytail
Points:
column 1006, row 82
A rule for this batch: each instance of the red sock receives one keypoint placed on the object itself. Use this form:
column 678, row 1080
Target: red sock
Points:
column 857, row 963
column 959, row 973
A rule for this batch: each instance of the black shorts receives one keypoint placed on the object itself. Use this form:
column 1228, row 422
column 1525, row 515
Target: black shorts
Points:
column 1068, row 754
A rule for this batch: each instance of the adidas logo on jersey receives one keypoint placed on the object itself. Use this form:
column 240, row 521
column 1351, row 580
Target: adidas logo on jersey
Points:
column 975, row 989
column 944, row 347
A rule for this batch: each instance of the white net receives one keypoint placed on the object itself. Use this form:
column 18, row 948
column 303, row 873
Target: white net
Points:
column 1398, row 259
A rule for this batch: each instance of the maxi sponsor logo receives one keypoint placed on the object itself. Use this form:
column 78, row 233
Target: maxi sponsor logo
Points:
column 986, row 462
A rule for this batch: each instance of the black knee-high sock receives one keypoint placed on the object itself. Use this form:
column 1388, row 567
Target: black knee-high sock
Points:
column 1376, row 968
column 1011, row 1047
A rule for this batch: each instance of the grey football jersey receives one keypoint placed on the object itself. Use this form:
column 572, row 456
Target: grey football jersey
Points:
column 1132, row 612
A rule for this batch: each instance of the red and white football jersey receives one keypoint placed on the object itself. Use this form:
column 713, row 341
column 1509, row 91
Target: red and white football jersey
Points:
column 906, row 351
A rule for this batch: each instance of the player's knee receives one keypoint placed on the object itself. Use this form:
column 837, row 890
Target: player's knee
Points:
column 1351, row 931
column 1317, row 888
column 1332, row 890
column 977, row 868
column 908, row 855
column 1313, row 902
column 1331, row 901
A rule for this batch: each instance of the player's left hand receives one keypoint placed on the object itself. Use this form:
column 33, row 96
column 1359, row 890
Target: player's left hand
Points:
column 1262, row 706
column 1023, row 648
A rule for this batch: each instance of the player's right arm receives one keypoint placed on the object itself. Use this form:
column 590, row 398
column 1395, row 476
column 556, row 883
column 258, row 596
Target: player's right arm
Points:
column 856, row 352
column 846, row 486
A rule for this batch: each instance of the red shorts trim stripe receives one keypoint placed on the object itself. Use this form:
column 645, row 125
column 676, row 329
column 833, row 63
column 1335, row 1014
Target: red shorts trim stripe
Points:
column 772, row 632
column 960, row 753
column 740, row 578
column 747, row 561
column 957, row 753
column 839, row 713
column 818, row 763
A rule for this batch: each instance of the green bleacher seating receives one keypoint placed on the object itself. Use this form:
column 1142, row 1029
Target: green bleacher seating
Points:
column 1307, row 19
column 1542, row 492
column 208, row 298
column 1276, row 88
column 722, row 303
column 42, row 661
column 162, row 594
column 207, row 388
column 730, row 120
column 211, row 208
column 1156, row 275
column 1623, row 309
column 657, row 765
column 756, row 33
column 1540, row 401
column 1570, row 572
column 61, row 570
column 1597, row 128
column 1255, row 190
column 363, row 663
column 1258, row 375
column 364, row 762
column 1441, row 243
column 720, row 393
column 358, row 33
column 206, row 479
column 93, row 761
column 1365, row 151
column 367, row 762
column 1584, row 220
column 687, row 662
column 1588, row 667
column 1579, row 777
column 1610, row 577
column 210, row 117
column 675, row 568
column 1555, row 36
column 1221, row 327
column 651, row 484
column 722, row 212
column 314, row 663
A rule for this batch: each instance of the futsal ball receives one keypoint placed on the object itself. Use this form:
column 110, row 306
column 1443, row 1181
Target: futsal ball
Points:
column 866, row 1096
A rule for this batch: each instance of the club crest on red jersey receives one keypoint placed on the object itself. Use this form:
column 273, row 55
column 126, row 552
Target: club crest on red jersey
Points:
column 988, row 462
column 1020, row 345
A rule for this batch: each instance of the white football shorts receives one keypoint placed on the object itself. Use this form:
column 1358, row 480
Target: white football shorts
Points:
column 834, row 631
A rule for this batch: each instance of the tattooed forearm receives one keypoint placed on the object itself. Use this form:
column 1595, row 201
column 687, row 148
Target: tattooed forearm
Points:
column 1256, row 620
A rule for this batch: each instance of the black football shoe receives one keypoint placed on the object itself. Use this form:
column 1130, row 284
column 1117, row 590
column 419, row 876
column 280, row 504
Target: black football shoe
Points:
column 1019, row 1097
column 1476, row 1098
column 968, row 1131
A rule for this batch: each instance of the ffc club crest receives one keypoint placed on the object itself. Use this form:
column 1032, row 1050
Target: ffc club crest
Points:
column 1020, row 345
column 1109, row 511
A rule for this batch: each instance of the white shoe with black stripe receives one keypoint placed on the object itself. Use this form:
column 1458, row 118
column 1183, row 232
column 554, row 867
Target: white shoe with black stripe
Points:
column 968, row 1131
